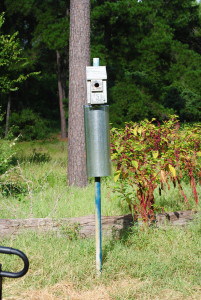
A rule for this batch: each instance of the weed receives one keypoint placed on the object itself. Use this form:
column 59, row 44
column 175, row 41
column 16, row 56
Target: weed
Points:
column 39, row 157
column 13, row 189
column 71, row 231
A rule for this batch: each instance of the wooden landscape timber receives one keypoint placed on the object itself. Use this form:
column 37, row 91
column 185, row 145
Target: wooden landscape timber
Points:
column 85, row 226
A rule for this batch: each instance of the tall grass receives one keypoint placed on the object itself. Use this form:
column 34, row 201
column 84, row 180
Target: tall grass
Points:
column 41, row 168
column 47, row 193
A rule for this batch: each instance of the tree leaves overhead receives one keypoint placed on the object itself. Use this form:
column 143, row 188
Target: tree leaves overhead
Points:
column 50, row 18
column 152, row 51
column 12, row 62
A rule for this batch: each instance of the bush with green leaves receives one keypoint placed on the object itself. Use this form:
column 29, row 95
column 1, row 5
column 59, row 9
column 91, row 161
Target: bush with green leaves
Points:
column 149, row 156
column 13, row 187
column 10, row 181
column 7, row 152
column 29, row 125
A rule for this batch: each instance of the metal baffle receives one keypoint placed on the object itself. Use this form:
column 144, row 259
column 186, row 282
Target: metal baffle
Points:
column 97, row 140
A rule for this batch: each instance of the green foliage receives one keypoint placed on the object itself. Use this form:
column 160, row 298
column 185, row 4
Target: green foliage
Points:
column 51, row 22
column 51, row 31
column 12, row 188
column 7, row 152
column 152, row 52
column 184, row 92
column 148, row 156
column 151, row 49
column 29, row 125
column 134, row 105
column 71, row 231
column 12, row 62
column 11, row 184
column 39, row 157
column 36, row 157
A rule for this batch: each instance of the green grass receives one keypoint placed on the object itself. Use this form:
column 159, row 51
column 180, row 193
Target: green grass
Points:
column 146, row 263
column 162, row 259
column 171, row 199
column 47, row 193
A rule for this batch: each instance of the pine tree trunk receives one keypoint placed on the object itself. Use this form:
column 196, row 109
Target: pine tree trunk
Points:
column 79, row 58
column 62, row 94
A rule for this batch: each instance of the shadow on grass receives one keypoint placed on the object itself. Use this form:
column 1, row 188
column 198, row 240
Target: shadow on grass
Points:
column 122, row 235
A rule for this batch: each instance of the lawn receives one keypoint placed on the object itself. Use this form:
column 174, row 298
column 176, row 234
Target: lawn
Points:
column 145, row 263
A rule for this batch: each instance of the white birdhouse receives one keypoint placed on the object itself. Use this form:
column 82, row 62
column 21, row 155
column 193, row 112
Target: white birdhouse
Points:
column 96, row 85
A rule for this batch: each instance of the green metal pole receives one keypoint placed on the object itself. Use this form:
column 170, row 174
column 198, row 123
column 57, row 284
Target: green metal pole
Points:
column 98, row 225
column 98, row 211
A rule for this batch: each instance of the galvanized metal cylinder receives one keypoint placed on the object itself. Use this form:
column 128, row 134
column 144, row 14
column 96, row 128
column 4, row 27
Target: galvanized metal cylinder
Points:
column 97, row 140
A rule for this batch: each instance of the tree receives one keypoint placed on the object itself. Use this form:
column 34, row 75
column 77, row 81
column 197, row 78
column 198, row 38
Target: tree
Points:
column 145, row 43
column 151, row 48
column 48, row 33
column 11, row 60
column 52, row 30
column 79, row 58
column 13, row 64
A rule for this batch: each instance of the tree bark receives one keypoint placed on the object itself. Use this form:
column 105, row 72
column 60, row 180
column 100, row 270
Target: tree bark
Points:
column 8, row 115
column 79, row 58
column 61, row 90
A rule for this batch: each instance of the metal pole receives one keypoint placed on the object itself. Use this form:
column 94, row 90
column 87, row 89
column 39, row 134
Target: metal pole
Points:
column 96, row 63
column 98, row 225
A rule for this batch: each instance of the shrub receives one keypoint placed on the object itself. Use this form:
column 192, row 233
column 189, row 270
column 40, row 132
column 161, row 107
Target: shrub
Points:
column 148, row 156
column 38, row 157
column 29, row 125
column 16, row 189
column 7, row 153
column 10, row 181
